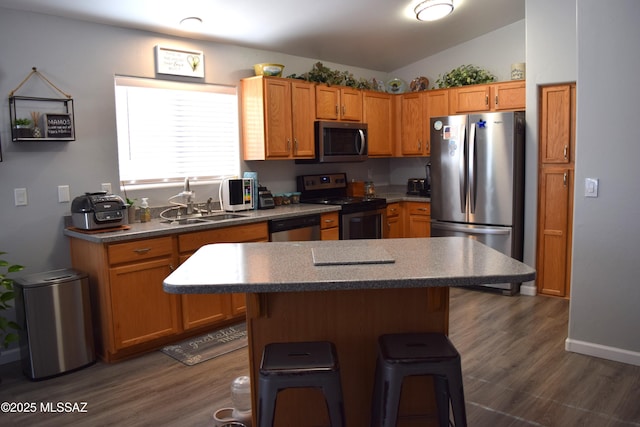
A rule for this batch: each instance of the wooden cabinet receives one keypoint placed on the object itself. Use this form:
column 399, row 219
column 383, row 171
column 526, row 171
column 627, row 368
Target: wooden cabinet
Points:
column 338, row 103
column 490, row 97
column 277, row 118
column 202, row 310
column 141, row 310
column 555, row 189
column 394, row 229
column 131, row 312
column 330, row 226
column 378, row 114
column 417, row 219
column 413, row 128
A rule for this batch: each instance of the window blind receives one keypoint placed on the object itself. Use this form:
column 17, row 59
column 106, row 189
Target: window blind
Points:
column 171, row 130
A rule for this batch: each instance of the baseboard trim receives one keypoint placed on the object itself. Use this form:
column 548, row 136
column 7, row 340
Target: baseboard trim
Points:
column 10, row 355
column 603, row 351
column 528, row 290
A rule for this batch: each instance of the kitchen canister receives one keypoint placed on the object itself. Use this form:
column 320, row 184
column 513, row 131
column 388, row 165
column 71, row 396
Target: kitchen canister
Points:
column 518, row 71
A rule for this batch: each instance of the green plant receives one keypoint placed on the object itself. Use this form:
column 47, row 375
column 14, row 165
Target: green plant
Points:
column 465, row 75
column 6, row 296
column 322, row 74
column 22, row 122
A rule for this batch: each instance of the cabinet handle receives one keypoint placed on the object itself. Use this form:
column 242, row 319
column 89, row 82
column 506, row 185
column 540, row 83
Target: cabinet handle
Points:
column 141, row 251
column 565, row 152
column 496, row 99
column 486, row 100
column 328, row 221
column 288, row 144
column 171, row 267
column 337, row 109
column 419, row 144
column 295, row 145
column 344, row 110
column 422, row 209
column 564, row 179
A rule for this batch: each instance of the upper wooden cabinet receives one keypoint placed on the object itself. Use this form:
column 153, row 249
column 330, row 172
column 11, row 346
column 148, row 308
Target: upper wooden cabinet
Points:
column 378, row 114
column 413, row 116
column 277, row 118
column 338, row 103
column 556, row 136
column 490, row 97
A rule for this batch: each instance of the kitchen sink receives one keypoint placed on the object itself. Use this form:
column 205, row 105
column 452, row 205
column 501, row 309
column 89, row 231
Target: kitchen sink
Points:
column 202, row 219
column 184, row 221
column 221, row 217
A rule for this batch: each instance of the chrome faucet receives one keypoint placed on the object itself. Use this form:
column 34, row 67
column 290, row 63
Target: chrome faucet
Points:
column 188, row 193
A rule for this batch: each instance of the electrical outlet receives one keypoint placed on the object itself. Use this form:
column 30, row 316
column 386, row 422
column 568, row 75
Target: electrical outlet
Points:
column 591, row 187
column 63, row 194
column 20, row 196
column 106, row 186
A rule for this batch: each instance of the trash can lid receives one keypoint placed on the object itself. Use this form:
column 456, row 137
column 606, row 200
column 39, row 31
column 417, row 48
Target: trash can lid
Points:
column 52, row 277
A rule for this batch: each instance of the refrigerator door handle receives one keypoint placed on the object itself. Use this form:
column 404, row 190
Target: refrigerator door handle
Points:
column 472, row 168
column 462, row 172
column 470, row 230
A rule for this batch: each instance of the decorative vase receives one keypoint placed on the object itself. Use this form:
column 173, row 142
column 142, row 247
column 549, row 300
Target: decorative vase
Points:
column 37, row 133
column 131, row 213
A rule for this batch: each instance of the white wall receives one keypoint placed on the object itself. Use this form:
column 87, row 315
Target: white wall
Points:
column 605, row 290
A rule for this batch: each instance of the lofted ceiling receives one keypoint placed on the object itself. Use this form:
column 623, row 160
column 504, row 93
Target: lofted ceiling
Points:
column 380, row 35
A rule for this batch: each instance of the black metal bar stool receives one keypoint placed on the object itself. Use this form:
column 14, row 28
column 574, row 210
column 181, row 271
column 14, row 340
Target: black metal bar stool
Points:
column 402, row 355
column 297, row 365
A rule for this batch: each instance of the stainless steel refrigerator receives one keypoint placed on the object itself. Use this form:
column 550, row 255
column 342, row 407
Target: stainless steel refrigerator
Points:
column 477, row 181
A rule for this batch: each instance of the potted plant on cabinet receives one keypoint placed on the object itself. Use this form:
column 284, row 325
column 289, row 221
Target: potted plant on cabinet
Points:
column 6, row 297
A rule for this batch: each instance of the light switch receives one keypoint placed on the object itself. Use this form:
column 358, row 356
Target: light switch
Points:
column 20, row 196
column 591, row 187
column 63, row 194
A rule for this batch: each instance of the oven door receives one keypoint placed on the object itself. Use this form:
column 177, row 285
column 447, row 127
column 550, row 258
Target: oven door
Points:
column 362, row 225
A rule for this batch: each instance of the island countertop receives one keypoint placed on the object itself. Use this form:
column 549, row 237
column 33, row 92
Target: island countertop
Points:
column 376, row 264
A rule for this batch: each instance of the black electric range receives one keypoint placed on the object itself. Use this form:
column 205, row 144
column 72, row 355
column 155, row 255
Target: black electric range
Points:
column 331, row 189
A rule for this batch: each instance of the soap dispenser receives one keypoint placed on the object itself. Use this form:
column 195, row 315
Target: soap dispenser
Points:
column 145, row 211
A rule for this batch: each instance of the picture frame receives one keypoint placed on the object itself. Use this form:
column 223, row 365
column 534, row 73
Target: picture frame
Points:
column 58, row 126
column 179, row 62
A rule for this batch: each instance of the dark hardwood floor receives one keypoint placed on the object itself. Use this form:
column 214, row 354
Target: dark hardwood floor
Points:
column 516, row 373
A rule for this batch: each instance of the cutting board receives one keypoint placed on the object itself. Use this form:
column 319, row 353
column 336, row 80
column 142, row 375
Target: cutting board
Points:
column 349, row 256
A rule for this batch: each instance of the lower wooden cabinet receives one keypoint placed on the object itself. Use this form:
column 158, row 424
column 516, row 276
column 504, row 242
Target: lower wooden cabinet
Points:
column 131, row 312
column 418, row 219
column 330, row 226
column 395, row 221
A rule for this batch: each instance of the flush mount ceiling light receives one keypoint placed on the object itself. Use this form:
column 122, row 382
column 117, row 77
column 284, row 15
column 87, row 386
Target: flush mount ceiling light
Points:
column 191, row 23
column 432, row 10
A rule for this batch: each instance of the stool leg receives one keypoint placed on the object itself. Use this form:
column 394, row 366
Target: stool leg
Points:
column 335, row 404
column 442, row 399
column 266, row 404
column 456, row 392
column 391, row 389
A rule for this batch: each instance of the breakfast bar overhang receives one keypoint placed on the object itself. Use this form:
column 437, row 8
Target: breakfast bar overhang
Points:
column 349, row 292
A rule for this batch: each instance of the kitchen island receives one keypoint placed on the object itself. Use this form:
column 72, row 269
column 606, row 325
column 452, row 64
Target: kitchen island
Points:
column 347, row 292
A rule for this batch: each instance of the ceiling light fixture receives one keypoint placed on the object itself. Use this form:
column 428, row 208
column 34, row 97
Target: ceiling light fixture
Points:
column 432, row 10
column 191, row 23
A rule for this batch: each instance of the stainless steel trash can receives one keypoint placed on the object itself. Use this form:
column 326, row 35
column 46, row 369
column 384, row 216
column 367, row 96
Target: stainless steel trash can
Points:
column 53, row 310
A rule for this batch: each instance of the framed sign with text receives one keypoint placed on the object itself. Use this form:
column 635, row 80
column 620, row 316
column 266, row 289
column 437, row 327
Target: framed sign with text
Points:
column 58, row 126
column 179, row 62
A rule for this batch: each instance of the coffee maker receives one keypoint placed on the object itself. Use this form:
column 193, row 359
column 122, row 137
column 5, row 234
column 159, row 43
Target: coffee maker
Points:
column 420, row 186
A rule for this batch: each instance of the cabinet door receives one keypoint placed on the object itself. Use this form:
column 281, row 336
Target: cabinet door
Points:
column 327, row 102
column 436, row 105
column 554, row 229
column 351, row 104
column 378, row 114
column 394, row 221
column 303, row 102
column 555, row 124
column 330, row 226
column 411, row 123
column 509, row 96
column 278, row 118
column 141, row 310
column 469, row 99
column 205, row 309
column 418, row 219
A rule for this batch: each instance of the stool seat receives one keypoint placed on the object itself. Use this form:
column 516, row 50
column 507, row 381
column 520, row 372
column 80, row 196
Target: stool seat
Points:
column 402, row 355
column 296, row 365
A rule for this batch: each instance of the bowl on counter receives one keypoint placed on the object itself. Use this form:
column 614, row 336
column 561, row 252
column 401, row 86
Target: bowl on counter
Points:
column 268, row 69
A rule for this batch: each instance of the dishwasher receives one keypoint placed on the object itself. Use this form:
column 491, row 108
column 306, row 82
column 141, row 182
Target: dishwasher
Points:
column 297, row 229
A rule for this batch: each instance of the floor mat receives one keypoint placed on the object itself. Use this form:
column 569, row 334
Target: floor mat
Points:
column 205, row 347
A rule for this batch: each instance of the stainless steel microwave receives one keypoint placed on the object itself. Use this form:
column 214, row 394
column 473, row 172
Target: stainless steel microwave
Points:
column 338, row 142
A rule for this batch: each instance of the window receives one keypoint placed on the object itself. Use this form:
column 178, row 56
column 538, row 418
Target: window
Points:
column 168, row 131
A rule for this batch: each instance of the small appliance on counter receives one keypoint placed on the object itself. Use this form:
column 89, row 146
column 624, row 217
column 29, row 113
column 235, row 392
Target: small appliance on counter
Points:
column 265, row 199
column 93, row 211
column 237, row 194
column 417, row 187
